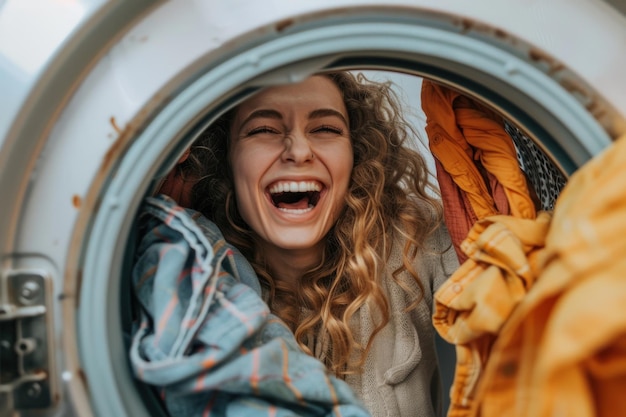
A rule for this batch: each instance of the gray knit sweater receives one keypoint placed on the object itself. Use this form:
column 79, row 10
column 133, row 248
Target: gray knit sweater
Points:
column 400, row 377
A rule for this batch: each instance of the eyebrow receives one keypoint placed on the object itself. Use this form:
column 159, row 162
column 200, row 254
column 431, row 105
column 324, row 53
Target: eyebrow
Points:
column 263, row 113
column 319, row 113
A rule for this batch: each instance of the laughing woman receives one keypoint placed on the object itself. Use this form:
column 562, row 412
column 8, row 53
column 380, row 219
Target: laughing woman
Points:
column 318, row 186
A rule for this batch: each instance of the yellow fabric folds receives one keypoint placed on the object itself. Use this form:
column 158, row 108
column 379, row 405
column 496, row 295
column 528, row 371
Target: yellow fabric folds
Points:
column 556, row 347
column 563, row 350
column 474, row 303
column 472, row 148
column 538, row 311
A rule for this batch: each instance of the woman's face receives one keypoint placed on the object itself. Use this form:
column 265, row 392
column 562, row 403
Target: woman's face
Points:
column 292, row 158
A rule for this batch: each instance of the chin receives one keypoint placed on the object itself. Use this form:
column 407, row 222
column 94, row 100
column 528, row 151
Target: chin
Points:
column 298, row 241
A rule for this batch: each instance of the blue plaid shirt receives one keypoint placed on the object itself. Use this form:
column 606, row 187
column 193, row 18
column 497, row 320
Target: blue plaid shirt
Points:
column 206, row 339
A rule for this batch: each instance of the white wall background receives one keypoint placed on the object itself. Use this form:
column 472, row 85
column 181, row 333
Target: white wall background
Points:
column 408, row 88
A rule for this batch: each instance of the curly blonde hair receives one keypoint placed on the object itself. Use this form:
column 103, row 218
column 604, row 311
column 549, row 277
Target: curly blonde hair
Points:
column 388, row 201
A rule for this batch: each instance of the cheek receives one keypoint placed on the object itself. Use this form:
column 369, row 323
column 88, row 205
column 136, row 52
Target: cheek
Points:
column 247, row 174
column 244, row 199
column 342, row 163
column 240, row 173
column 242, row 164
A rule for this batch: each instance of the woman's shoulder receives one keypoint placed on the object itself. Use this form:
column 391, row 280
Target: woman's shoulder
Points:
column 435, row 260
column 439, row 241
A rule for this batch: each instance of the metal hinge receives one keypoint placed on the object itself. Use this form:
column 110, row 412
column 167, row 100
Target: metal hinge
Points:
column 24, row 359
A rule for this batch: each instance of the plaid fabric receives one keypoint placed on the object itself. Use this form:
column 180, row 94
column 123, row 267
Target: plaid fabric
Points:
column 207, row 340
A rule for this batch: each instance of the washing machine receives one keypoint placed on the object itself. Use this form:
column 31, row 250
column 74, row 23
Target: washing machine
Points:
column 99, row 98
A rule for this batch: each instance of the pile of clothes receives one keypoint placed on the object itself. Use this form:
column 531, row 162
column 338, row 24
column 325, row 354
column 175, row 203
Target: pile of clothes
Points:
column 205, row 337
column 536, row 309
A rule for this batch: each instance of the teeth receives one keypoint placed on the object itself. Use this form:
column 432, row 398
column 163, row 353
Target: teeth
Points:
column 295, row 187
column 297, row 211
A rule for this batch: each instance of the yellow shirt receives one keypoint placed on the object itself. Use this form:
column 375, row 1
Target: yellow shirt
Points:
column 560, row 349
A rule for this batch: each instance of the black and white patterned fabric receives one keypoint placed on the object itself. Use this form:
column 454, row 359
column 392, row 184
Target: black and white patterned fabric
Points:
column 544, row 176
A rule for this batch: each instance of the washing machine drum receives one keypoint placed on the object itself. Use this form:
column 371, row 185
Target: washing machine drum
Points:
column 129, row 86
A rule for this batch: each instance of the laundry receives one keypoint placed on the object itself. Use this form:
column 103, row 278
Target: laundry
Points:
column 473, row 305
column 535, row 311
column 476, row 162
column 206, row 340
column 487, row 203
column 563, row 350
column 544, row 178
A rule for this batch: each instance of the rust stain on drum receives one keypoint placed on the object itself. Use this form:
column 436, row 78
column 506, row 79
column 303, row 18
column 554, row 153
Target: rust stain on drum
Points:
column 115, row 125
column 466, row 25
column 122, row 135
column 76, row 201
column 284, row 24
column 539, row 56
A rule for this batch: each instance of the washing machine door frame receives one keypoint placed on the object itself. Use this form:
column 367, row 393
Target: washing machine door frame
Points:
column 140, row 125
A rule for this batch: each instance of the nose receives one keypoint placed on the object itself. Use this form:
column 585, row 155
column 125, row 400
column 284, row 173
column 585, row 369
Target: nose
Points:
column 297, row 149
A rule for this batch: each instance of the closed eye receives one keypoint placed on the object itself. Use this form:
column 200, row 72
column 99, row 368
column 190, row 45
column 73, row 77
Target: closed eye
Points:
column 260, row 130
column 328, row 129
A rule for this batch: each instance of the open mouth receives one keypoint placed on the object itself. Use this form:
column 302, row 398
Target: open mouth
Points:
column 295, row 196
